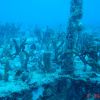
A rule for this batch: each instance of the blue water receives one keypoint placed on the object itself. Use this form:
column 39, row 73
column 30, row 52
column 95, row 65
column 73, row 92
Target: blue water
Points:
column 46, row 12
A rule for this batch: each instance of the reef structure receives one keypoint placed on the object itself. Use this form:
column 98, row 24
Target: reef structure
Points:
column 73, row 32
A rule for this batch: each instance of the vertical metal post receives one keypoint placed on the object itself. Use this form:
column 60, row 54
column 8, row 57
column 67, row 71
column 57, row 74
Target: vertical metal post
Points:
column 73, row 31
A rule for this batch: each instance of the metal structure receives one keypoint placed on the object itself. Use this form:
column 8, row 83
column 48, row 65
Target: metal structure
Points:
column 73, row 31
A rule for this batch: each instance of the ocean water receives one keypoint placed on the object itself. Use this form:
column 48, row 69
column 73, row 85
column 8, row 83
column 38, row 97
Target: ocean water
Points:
column 49, row 50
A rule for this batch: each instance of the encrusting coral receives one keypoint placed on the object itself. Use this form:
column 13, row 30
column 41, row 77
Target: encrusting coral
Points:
column 50, row 64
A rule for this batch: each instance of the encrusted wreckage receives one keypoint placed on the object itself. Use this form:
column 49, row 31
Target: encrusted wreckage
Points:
column 51, row 65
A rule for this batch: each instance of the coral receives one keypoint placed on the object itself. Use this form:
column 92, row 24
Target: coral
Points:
column 6, row 66
column 47, row 61
column 6, row 69
column 74, row 28
column 24, row 58
column 20, row 47
column 46, row 64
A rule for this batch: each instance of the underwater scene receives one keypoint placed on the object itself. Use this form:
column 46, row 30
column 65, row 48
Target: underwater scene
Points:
column 49, row 49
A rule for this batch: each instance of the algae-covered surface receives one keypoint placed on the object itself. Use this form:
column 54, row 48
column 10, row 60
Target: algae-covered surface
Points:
column 41, row 60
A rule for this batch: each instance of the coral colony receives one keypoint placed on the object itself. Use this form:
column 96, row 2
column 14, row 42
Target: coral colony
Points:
column 49, row 64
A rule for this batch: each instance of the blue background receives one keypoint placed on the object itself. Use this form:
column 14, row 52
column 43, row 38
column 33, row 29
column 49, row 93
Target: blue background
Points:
column 46, row 12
